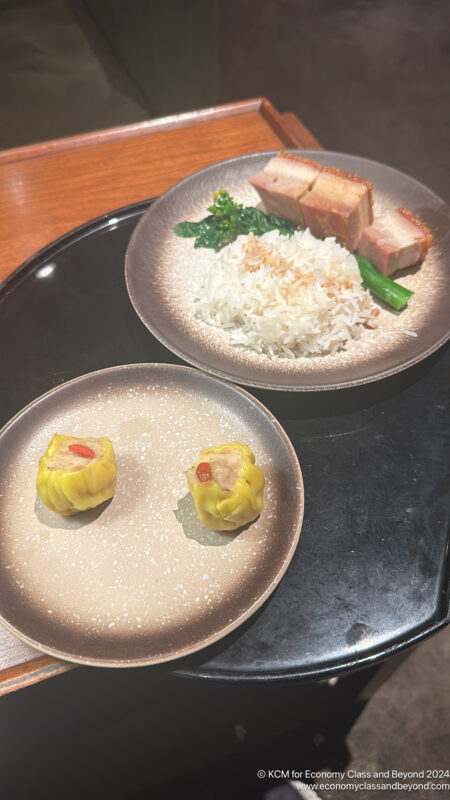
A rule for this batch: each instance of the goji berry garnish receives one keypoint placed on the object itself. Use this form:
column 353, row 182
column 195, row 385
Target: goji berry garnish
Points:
column 81, row 450
column 203, row 472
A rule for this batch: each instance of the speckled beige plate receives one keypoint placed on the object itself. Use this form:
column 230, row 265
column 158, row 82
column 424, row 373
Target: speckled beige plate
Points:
column 140, row 580
column 163, row 273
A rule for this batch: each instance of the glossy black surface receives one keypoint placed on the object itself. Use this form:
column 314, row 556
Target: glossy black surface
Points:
column 370, row 574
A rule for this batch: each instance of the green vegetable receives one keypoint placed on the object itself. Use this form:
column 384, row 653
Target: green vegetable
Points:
column 228, row 220
column 381, row 286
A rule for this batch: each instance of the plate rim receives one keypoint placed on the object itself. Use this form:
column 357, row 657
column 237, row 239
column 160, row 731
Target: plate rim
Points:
column 264, row 596
column 243, row 381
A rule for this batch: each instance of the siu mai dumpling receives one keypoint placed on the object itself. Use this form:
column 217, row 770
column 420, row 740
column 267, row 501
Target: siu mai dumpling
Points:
column 76, row 474
column 227, row 486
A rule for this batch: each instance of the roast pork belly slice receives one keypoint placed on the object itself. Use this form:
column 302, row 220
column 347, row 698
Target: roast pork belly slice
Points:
column 281, row 184
column 339, row 204
column 395, row 241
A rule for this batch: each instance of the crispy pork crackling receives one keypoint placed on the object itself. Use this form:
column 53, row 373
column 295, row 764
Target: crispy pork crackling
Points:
column 395, row 241
column 326, row 200
column 339, row 204
column 282, row 183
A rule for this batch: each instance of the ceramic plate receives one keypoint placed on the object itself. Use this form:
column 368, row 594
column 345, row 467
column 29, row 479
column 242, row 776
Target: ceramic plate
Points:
column 140, row 580
column 163, row 273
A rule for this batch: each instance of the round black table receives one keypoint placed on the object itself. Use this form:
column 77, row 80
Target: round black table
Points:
column 370, row 575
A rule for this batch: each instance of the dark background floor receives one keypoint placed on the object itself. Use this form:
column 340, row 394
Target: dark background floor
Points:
column 370, row 77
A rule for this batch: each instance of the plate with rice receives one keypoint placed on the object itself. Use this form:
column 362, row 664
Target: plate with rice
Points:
column 285, row 312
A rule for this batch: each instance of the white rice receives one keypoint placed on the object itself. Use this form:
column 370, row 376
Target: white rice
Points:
column 285, row 296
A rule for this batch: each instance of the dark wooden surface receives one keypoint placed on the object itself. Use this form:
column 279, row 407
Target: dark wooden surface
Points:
column 50, row 188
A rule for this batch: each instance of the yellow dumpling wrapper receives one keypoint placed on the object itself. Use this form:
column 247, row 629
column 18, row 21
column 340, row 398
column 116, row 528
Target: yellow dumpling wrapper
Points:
column 227, row 509
column 68, row 483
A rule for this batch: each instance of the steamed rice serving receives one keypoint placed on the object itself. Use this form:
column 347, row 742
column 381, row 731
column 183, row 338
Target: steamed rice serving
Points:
column 285, row 296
